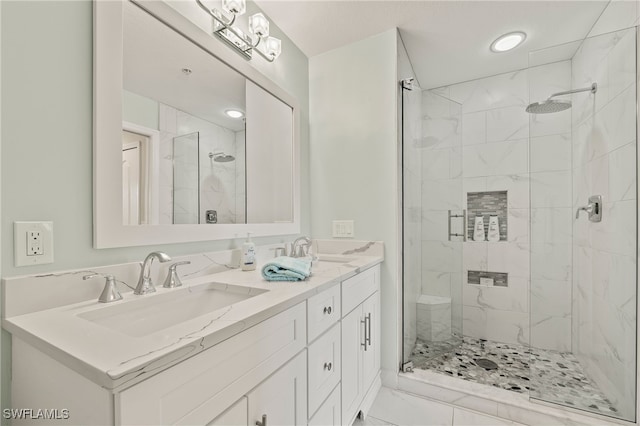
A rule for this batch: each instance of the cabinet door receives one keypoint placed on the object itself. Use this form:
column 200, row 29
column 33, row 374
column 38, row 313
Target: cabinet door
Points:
column 352, row 338
column 283, row 396
column 236, row 415
column 329, row 412
column 371, row 356
column 323, row 367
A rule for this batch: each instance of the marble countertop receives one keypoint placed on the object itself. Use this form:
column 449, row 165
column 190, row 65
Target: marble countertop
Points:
column 115, row 360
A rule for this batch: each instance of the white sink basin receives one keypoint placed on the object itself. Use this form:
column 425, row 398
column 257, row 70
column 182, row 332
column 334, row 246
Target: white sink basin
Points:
column 155, row 312
column 336, row 258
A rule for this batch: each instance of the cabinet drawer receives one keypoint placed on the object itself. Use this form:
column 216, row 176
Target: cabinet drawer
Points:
column 236, row 415
column 329, row 412
column 199, row 389
column 323, row 310
column 358, row 288
column 323, row 367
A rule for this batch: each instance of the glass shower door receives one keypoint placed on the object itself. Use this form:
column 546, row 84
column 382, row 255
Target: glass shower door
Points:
column 433, row 225
column 584, row 252
column 186, row 179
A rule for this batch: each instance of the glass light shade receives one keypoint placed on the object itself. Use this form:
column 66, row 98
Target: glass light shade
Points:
column 259, row 25
column 237, row 7
column 273, row 47
column 508, row 41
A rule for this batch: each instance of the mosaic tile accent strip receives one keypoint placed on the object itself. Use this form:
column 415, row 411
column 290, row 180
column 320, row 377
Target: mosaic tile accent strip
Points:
column 500, row 279
column 487, row 204
column 548, row 375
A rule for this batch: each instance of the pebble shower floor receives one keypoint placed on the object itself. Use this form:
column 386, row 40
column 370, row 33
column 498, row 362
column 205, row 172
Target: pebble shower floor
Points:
column 544, row 374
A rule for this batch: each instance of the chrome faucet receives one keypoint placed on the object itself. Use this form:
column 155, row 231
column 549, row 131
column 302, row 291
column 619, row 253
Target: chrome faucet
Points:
column 145, row 285
column 300, row 247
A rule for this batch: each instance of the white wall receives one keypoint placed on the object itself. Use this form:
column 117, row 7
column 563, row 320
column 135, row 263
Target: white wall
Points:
column 354, row 165
column 604, row 163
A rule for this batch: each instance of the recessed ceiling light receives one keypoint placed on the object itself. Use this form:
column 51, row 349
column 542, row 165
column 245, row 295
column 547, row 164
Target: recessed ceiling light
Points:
column 234, row 113
column 508, row 41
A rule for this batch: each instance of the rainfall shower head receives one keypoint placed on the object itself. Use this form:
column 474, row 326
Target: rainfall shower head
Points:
column 551, row 105
column 548, row 106
column 221, row 157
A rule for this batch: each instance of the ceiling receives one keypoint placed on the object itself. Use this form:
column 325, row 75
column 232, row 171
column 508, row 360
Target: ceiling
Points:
column 153, row 58
column 447, row 41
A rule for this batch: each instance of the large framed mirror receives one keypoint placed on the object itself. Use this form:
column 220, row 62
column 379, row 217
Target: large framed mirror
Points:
column 191, row 143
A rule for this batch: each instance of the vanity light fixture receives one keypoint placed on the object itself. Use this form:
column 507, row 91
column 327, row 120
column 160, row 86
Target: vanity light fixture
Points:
column 234, row 113
column 259, row 41
column 508, row 41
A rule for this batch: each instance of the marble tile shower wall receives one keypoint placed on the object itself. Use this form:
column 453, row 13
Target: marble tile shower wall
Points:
column 480, row 143
column 604, row 163
column 550, row 174
column 218, row 181
column 241, row 178
column 441, row 148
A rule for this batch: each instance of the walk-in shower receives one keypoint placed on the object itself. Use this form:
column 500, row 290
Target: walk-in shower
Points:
column 502, row 285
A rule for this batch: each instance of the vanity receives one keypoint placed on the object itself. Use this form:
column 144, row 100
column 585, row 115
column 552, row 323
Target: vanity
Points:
column 277, row 353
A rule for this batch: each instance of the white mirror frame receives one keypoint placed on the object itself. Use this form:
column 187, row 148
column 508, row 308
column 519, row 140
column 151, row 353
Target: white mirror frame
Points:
column 108, row 230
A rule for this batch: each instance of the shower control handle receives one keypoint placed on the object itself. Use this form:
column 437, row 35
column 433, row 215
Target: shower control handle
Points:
column 594, row 209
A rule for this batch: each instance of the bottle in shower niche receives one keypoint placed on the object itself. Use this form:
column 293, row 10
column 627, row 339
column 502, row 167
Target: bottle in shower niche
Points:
column 478, row 229
column 494, row 229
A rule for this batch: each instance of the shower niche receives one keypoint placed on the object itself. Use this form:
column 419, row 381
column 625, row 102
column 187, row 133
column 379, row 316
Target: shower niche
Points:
column 487, row 204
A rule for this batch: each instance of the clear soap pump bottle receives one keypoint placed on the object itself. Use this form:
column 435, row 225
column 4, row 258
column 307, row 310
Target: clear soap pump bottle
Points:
column 248, row 258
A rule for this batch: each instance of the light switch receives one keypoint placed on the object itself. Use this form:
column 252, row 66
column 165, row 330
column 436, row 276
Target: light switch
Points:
column 343, row 229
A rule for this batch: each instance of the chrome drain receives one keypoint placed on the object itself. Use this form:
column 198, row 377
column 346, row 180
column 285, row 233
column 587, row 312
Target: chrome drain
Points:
column 487, row 364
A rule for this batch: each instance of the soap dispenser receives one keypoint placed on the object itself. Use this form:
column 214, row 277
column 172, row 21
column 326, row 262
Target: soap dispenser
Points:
column 248, row 258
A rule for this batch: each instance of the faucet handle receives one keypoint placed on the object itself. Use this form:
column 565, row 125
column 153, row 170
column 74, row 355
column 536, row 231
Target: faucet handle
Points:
column 279, row 251
column 110, row 292
column 173, row 280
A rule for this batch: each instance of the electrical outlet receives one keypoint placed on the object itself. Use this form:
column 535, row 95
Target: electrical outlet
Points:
column 32, row 243
column 343, row 229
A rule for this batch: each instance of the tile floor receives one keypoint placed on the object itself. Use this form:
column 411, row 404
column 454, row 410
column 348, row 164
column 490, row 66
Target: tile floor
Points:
column 393, row 407
column 552, row 376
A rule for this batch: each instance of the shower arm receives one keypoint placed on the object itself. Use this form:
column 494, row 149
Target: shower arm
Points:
column 592, row 89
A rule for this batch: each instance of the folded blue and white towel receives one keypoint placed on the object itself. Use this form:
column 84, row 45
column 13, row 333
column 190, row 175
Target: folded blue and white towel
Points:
column 285, row 268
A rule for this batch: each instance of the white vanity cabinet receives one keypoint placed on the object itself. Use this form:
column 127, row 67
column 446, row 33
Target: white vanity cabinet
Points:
column 199, row 389
column 281, row 399
column 316, row 363
column 360, row 341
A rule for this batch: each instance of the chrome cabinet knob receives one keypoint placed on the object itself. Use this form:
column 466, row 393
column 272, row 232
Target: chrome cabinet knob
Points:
column 328, row 366
column 327, row 310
